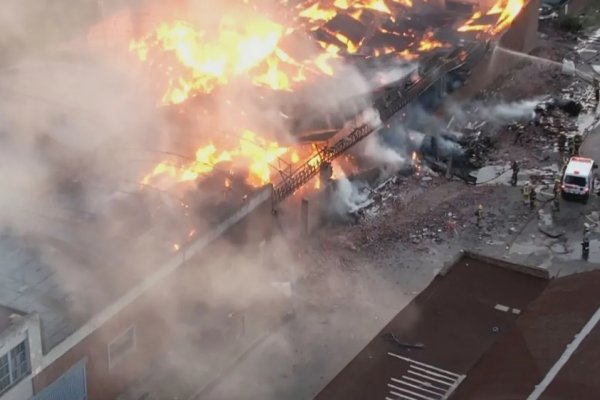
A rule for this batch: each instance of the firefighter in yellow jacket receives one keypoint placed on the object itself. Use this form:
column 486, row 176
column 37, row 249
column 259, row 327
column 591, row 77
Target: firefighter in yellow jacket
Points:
column 557, row 183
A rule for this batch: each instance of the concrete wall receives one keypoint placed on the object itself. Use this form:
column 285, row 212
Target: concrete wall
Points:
column 21, row 391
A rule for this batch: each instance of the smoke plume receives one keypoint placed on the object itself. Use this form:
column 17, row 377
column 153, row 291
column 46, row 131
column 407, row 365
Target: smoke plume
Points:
column 498, row 114
column 80, row 126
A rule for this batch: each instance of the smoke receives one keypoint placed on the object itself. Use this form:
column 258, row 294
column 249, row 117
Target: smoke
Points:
column 80, row 127
column 379, row 155
column 348, row 196
column 520, row 110
column 383, row 75
column 498, row 114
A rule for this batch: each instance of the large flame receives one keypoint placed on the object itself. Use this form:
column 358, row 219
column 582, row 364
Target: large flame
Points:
column 259, row 156
column 506, row 10
column 203, row 63
column 249, row 47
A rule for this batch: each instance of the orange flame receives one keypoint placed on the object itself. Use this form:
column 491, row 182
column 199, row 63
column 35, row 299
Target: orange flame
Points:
column 194, row 63
column 507, row 11
column 240, row 45
column 258, row 153
column 416, row 162
column 428, row 43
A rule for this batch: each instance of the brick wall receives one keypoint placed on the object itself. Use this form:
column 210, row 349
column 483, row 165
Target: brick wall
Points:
column 103, row 384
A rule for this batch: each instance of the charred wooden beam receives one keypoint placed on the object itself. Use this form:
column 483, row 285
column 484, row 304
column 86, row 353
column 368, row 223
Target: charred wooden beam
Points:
column 354, row 30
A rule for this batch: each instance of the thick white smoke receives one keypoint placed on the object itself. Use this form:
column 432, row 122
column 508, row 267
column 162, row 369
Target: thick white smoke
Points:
column 381, row 155
column 348, row 196
column 519, row 110
column 389, row 74
column 499, row 113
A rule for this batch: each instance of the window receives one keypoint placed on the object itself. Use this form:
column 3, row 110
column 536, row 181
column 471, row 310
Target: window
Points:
column 121, row 346
column 20, row 362
column 4, row 373
column 575, row 180
column 14, row 366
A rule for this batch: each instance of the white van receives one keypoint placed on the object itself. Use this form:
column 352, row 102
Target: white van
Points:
column 578, row 178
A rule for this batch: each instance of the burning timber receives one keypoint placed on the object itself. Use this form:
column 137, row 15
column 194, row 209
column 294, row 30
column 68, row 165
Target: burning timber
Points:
column 394, row 52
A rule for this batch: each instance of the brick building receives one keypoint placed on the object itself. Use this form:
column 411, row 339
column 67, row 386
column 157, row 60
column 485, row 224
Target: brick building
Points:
column 52, row 347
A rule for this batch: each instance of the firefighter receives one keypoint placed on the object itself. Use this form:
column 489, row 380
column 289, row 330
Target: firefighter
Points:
column 577, row 141
column 570, row 146
column 479, row 215
column 526, row 192
column 557, row 184
column 562, row 141
column 597, row 89
column 532, row 197
column 515, row 172
column 451, row 224
column 585, row 243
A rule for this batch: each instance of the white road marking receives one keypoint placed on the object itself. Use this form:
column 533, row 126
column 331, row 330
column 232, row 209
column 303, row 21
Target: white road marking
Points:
column 433, row 384
column 500, row 307
column 566, row 355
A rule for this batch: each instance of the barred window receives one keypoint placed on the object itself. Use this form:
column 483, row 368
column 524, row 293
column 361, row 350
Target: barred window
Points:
column 20, row 362
column 4, row 373
column 14, row 366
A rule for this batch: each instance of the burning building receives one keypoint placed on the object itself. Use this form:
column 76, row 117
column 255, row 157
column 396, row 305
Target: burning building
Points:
column 244, row 105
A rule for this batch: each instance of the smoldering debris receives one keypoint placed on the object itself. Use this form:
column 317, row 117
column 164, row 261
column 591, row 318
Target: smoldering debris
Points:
column 346, row 197
column 569, row 106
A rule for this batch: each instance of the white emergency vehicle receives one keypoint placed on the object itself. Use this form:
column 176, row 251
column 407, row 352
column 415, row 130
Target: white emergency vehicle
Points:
column 578, row 178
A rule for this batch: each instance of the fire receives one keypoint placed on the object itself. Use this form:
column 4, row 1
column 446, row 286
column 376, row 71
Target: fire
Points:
column 416, row 162
column 257, row 153
column 428, row 43
column 316, row 12
column 195, row 62
column 507, row 11
column 249, row 47
column 377, row 5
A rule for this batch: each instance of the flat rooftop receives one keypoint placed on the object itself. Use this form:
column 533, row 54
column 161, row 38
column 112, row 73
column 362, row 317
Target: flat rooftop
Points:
column 440, row 336
column 535, row 351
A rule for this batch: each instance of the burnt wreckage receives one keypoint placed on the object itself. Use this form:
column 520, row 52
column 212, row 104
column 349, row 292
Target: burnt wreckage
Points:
column 426, row 83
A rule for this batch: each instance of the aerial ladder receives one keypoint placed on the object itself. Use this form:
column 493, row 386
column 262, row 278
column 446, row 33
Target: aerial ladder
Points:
column 397, row 96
